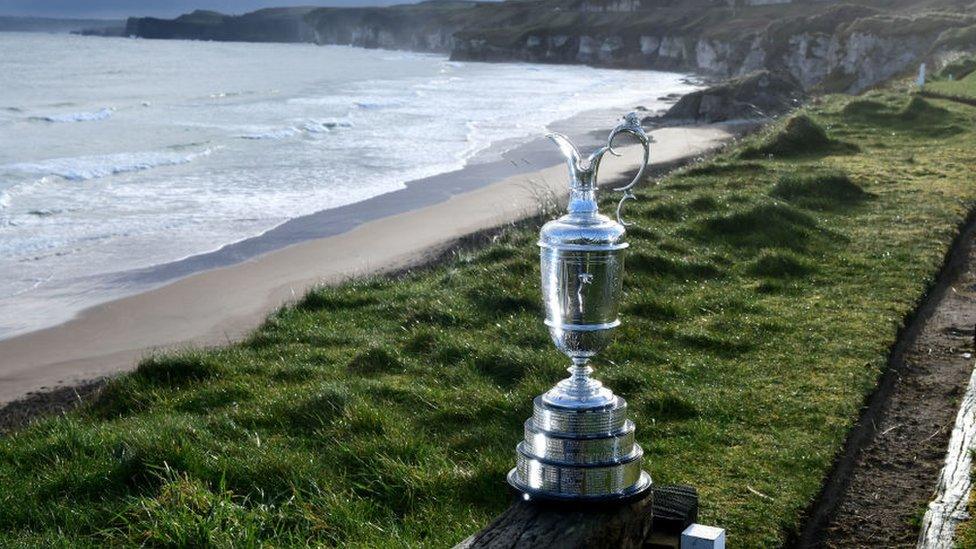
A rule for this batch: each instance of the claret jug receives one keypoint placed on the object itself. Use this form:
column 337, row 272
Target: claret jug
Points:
column 579, row 444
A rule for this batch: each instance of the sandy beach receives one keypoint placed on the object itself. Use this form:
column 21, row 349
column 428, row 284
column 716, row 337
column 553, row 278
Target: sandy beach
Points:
column 222, row 304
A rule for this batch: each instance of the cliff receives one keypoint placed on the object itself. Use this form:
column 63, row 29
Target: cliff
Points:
column 823, row 45
column 428, row 26
column 48, row 24
column 833, row 47
column 267, row 25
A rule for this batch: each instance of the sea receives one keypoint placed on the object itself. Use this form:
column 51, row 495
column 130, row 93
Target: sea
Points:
column 121, row 155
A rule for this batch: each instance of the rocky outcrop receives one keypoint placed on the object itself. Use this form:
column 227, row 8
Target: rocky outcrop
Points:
column 116, row 31
column 757, row 95
column 268, row 25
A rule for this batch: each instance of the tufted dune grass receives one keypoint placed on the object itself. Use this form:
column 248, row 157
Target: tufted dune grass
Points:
column 762, row 298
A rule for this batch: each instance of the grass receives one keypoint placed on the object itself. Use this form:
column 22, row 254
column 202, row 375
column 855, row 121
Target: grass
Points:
column 965, row 535
column 823, row 191
column 762, row 298
column 962, row 88
column 957, row 69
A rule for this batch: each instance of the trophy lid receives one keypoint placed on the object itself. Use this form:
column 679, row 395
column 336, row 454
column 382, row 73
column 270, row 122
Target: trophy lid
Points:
column 584, row 227
column 591, row 231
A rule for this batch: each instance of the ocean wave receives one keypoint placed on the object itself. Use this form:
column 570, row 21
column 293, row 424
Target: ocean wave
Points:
column 88, row 116
column 273, row 134
column 45, row 212
column 325, row 126
column 376, row 105
column 228, row 94
column 82, row 168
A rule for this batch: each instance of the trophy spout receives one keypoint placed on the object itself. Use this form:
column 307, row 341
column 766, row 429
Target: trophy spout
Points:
column 570, row 152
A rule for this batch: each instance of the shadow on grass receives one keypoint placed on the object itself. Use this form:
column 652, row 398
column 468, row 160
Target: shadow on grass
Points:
column 505, row 368
column 723, row 168
column 643, row 233
column 703, row 204
column 311, row 413
column 917, row 116
column 328, row 299
column 495, row 299
column 376, row 359
column 624, row 383
column 213, row 398
column 177, row 369
column 828, row 191
column 134, row 393
column 422, row 312
column 761, row 226
column 665, row 267
column 668, row 408
column 649, row 308
column 294, row 374
column 779, row 265
column 714, row 344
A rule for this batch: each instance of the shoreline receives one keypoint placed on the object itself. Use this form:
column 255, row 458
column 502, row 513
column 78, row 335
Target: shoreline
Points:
column 500, row 159
column 220, row 305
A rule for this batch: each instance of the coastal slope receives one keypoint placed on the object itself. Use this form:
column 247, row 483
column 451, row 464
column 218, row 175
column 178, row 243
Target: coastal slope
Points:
column 764, row 291
column 223, row 304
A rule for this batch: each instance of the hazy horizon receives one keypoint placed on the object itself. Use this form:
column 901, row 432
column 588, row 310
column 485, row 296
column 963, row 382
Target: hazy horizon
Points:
column 118, row 9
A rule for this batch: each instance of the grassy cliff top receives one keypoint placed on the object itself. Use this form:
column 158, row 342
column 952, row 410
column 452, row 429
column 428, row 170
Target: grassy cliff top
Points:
column 763, row 293
column 510, row 22
column 956, row 80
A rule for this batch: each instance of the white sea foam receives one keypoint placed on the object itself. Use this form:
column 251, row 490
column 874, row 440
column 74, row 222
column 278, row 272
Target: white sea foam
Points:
column 100, row 114
column 281, row 133
column 81, row 168
column 321, row 128
column 325, row 126
column 376, row 105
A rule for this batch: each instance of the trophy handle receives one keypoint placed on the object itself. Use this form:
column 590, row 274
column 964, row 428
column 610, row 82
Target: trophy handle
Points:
column 583, row 173
column 632, row 126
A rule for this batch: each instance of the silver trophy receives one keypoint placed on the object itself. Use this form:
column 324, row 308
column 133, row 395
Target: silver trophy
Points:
column 579, row 444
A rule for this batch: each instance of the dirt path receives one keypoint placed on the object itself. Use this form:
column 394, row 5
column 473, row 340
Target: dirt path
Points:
column 877, row 494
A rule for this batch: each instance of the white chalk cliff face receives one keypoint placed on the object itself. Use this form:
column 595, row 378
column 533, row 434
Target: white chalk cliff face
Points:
column 836, row 47
column 847, row 62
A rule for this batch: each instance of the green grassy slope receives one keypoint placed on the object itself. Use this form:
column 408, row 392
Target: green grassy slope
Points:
column 966, row 531
column 762, row 296
column 964, row 88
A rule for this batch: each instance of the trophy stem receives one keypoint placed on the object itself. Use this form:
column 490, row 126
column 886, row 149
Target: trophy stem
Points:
column 579, row 390
column 580, row 371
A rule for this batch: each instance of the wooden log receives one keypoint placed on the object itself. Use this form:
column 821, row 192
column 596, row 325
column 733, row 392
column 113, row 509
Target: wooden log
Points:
column 655, row 520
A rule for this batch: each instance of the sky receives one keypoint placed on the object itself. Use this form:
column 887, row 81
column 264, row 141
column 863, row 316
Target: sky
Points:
column 115, row 9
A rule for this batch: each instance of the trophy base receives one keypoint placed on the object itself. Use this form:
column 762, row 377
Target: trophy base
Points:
column 583, row 454
column 634, row 493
